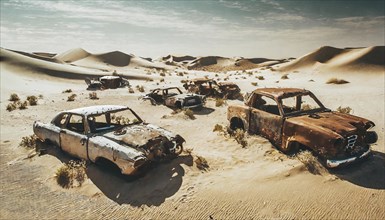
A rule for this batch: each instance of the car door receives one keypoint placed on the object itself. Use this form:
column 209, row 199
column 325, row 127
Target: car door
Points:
column 266, row 120
column 73, row 139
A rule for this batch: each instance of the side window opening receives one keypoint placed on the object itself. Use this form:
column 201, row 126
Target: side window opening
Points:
column 266, row 104
column 76, row 124
column 61, row 121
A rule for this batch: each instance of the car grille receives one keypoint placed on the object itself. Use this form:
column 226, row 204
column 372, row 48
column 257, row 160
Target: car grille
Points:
column 351, row 142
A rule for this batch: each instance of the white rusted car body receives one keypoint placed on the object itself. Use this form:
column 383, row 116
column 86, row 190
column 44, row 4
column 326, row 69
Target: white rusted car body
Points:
column 95, row 133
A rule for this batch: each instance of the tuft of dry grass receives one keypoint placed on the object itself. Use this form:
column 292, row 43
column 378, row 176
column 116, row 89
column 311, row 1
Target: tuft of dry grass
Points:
column 131, row 90
column 70, row 173
column 260, row 77
column 345, row 110
column 240, row 136
column 218, row 128
column 201, row 163
column 67, row 91
column 162, row 74
column 71, row 98
column 93, row 95
column 32, row 100
column 220, row 102
column 14, row 97
column 140, row 88
column 179, row 73
column 254, row 83
column 336, row 81
column 28, row 142
column 161, row 80
column 22, row 105
column 311, row 162
column 285, row 76
column 189, row 113
column 11, row 107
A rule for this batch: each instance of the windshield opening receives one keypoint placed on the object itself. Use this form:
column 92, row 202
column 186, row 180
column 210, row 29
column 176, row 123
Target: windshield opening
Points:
column 111, row 120
column 300, row 104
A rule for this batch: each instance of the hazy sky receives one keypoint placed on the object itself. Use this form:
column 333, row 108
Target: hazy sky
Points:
column 259, row 28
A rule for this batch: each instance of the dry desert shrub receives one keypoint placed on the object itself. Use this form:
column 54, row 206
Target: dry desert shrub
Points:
column 336, row 81
column 71, row 98
column 183, row 81
column 220, row 102
column 254, row 83
column 131, row 90
column 260, row 77
column 32, row 100
column 70, row 173
column 189, row 113
column 162, row 74
column 345, row 110
column 28, row 142
column 22, row 105
column 218, row 128
column 240, row 136
column 11, row 106
column 140, row 88
column 201, row 163
column 67, row 91
column 306, row 107
column 310, row 161
column 188, row 150
column 14, row 97
column 161, row 80
column 285, row 76
column 93, row 95
column 179, row 73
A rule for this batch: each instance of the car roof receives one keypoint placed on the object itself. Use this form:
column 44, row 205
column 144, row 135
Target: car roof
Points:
column 96, row 109
column 281, row 92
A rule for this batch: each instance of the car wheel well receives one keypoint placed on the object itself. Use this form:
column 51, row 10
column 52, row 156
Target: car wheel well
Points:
column 107, row 165
column 178, row 104
column 236, row 123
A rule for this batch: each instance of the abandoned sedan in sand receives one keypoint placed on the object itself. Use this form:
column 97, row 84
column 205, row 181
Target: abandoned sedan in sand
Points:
column 294, row 118
column 106, row 82
column 212, row 88
column 174, row 98
column 110, row 134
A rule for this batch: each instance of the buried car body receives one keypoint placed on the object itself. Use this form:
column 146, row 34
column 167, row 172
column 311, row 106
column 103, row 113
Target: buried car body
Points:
column 110, row 133
column 173, row 97
column 292, row 118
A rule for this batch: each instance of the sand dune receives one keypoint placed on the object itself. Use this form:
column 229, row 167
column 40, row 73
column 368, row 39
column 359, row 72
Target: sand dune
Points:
column 336, row 59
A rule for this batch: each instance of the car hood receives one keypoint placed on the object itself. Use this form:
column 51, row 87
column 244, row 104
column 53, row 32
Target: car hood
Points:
column 338, row 123
column 139, row 135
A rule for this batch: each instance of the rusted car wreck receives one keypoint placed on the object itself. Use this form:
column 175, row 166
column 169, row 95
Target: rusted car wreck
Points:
column 110, row 134
column 294, row 118
column 210, row 87
column 173, row 97
column 106, row 82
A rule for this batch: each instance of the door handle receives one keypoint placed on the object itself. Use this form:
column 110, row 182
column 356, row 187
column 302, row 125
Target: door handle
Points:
column 83, row 141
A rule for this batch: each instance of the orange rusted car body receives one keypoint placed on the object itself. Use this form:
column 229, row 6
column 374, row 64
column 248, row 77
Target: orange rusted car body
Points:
column 338, row 138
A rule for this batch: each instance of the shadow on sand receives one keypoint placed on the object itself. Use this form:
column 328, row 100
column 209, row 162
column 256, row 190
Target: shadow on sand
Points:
column 158, row 181
column 369, row 173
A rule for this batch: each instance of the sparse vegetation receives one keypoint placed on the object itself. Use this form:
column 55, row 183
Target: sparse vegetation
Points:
column 11, row 106
column 201, row 163
column 188, row 151
column 162, row 74
column 285, row 76
column 254, row 83
column 240, row 136
column 140, row 88
column 70, row 173
column 41, row 96
column 306, row 107
column 260, row 77
column 32, row 100
column 14, row 97
column 310, row 161
column 219, row 102
column 22, row 105
column 179, row 73
column 93, row 95
column 336, row 81
column 71, row 98
column 189, row 113
column 345, row 110
column 161, row 80
column 67, row 91
column 28, row 142
column 131, row 90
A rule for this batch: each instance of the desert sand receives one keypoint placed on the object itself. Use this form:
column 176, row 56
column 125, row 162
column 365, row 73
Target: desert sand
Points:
column 241, row 183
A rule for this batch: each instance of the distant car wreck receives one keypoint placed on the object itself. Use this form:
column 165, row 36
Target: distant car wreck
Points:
column 106, row 82
column 294, row 118
column 173, row 97
column 210, row 87
column 110, row 134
